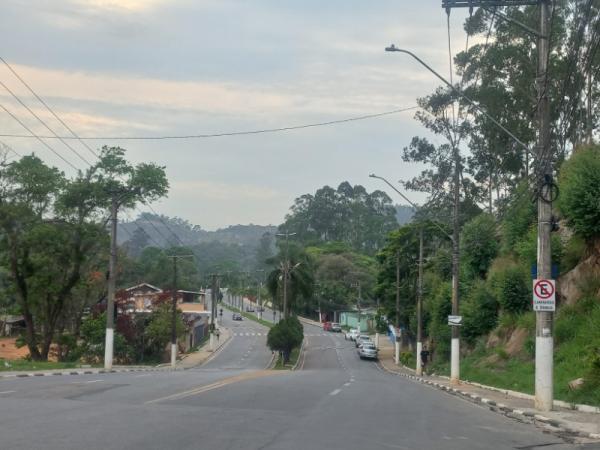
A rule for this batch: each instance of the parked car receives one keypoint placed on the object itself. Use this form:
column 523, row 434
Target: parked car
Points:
column 362, row 339
column 351, row 334
column 336, row 327
column 326, row 326
column 237, row 316
column 367, row 350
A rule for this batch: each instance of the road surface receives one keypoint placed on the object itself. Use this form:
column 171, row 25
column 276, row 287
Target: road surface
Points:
column 333, row 401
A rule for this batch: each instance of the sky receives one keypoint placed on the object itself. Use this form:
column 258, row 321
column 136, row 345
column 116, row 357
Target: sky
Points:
column 117, row 68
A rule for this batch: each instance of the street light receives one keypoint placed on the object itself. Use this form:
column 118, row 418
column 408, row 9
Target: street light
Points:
column 286, row 269
column 393, row 48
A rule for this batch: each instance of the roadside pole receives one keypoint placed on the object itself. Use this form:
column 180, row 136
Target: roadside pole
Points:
column 110, row 300
column 544, row 341
column 174, row 308
column 419, row 368
column 455, row 343
column 213, row 310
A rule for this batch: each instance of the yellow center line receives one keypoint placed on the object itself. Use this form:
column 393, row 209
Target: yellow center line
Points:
column 216, row 385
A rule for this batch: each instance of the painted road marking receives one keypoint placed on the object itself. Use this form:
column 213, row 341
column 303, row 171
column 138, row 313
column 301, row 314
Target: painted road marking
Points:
column 346, row 384
column 219, row 384
column 143, row 375
column 94, row 381
column 336, row 392
column 7, row 392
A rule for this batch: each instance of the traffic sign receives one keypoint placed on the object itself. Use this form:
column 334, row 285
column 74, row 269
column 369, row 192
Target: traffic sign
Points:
column 544, row 295
column 455, row 321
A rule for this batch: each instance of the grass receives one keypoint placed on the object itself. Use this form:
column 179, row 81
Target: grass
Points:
column 26, row 365
column 293, row 359
column 249, row 316
column 576, row 355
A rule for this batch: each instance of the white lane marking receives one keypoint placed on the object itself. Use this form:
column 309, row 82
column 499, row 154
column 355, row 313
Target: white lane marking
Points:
column 346, row 384
column 7, row 392
column 336, row 392
column 94, row 381
column 143, row 375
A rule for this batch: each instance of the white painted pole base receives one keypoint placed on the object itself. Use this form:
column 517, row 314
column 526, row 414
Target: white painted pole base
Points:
column 108, row 349
column 544, row 383
column 173, row 354
column 212, row 342
column 455, row 361
column 377, row 341
column 397, row 352
column 259, row 315
column 419, row 368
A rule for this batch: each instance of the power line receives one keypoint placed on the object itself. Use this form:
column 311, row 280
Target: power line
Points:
column 37, row 137
column 224, row 134
column 42, row 122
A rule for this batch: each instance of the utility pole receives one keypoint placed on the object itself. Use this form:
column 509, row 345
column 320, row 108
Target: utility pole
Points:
column 455, row 343
column 259, row 300
column 174, row 308
column 286, row 271
column 420, row 306
column 398, row 289
column 213, row 311
column 112, row 272
column 544, row 341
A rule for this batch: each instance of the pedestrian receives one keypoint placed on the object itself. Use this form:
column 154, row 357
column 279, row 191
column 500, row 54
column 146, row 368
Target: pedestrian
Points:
column 218, row 335
column 424, row 358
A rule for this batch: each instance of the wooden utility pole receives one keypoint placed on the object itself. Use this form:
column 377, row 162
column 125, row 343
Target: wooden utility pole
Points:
column 110, row 300
column 174, row 308
column 455, row 342
column 420, row 305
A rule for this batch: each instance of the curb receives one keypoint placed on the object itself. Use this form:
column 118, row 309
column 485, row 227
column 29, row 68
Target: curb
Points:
column 88, row 372
column 300, row 354
column 557, row 427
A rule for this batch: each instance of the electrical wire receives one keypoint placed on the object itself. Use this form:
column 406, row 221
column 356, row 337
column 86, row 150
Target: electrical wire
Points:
column 225, row 134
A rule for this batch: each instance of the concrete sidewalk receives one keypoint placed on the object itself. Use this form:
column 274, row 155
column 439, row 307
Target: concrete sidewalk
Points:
column 579, row 422
column 204, row 353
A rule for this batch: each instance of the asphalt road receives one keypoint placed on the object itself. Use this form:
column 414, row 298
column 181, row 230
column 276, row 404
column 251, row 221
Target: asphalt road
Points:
column 334, row 401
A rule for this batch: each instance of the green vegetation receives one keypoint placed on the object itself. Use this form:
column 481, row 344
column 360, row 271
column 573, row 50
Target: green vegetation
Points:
column 26, row 365
column 280, row 365
column 285, row 336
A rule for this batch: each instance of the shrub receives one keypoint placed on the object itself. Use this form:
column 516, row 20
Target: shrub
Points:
column 286, row 335
column 479, row 311
column 579, row 184
column 511, row 284
column 479, row 244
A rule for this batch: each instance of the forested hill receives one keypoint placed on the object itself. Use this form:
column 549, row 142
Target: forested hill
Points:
column 152, row 230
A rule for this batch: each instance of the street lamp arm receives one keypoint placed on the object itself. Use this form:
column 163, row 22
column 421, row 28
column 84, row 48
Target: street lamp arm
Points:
column 393, row 48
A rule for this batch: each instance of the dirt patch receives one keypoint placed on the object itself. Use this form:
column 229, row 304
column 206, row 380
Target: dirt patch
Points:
column 8, row 349
column 516, row 341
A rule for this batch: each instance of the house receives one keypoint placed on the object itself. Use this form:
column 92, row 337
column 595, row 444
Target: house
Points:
column 11, row 325
column 352, row 319
column 144, row 297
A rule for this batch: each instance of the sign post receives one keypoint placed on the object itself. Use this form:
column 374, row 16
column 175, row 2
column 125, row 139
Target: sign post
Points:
column 544, row 295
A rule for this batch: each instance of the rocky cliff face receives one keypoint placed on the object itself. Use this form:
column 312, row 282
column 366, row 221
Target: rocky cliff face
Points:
column 586, row 274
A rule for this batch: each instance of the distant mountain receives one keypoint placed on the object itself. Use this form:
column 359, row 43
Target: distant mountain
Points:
column 154, row 230
column 404, row 213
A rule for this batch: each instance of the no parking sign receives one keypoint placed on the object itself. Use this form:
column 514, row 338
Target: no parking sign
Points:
column 544, row 295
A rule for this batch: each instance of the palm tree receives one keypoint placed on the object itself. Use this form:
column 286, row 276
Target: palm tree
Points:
column 300, row 277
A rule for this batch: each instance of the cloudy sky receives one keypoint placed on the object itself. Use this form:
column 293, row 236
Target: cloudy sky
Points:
column 115, row 68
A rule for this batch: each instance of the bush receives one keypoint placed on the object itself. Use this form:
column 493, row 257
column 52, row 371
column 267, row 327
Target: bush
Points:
column 511, row 284
column 440, row 307
column 286, row 335
column 480, row 312
column 479, row 244
column 93, row 335
column 579, row 184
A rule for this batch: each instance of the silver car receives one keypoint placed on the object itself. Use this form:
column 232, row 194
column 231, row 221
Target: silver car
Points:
column 361, row 339
column 368, row 351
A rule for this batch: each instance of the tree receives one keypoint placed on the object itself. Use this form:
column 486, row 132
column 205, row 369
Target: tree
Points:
column 285, row 336
column 480, row 244
column 53, row 231
column 580, row 191
column 300, row 276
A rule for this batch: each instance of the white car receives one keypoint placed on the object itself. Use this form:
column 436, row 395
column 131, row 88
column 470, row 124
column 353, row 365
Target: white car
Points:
column 351, row 334
column 363, row 339
column 368, row 351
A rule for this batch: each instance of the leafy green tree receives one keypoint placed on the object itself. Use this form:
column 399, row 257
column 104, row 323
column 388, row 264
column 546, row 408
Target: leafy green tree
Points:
column 300, row 284
column 158, row 330
column 511, row 284
column 479, row 244
column 91, row 348
column 479, row 311
column 285, row 336
column 580, row 191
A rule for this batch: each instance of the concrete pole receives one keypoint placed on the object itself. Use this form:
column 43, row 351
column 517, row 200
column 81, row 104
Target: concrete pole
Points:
column 455, row 342
column 259, row 301
column 419, row 368
column 112, row 272
column 398, row 289
column 544, row 341
column 174, row 315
